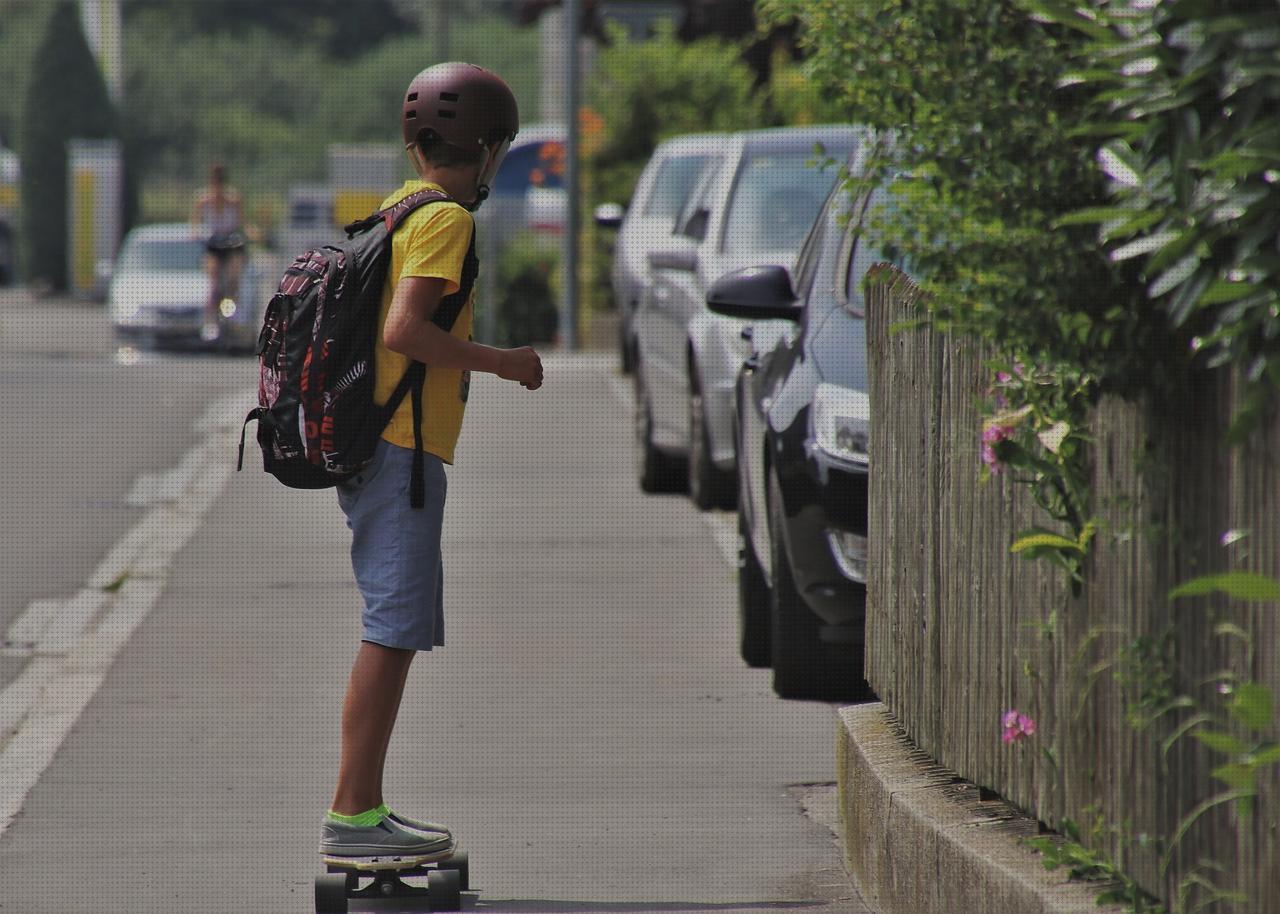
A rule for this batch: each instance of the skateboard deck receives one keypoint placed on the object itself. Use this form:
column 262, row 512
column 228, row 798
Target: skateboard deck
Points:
column 446, row 872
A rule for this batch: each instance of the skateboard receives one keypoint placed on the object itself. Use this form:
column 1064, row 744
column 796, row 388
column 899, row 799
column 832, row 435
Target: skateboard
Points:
column 446, row 871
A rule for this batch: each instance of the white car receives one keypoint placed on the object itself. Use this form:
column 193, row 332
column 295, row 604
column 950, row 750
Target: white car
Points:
column 753, row 205
column 661, row 192
column 160, row 285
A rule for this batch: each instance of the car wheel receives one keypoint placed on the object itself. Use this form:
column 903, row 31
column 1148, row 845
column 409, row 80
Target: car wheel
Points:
column 753, row 603
column 655, row 471
column 804, row 666
column 709, row 487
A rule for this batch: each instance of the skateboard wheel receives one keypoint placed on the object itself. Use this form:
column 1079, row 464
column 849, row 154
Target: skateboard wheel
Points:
column 331, row 894
column 444, row 890
column 459, row 863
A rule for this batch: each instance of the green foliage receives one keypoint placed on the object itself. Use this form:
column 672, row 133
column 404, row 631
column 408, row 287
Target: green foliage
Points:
column 795, row 98
column 1243, row 585
column 1036, row 428
column 343, row 29
column 647, row 91
column 527, row 310
column 1090, row 865
column 66, row 99
column 272, row 115
column 990, row 153
column 1186, row 119
column 22, row 25
column 641, row 93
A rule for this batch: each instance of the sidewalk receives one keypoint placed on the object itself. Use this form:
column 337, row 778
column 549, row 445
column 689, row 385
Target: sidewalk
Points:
column 588, row 731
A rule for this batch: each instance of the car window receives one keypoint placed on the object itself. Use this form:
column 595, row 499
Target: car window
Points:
column 672, row 186
column 775, row 200
column 807, row 261
column 862, row 249
column 692, row 220
column 164, row 255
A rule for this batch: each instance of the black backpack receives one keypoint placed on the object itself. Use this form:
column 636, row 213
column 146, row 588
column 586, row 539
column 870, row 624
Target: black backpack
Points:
column 318, row 424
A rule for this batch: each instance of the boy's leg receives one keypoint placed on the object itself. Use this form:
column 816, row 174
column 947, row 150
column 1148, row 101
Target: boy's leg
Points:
column 368, row 716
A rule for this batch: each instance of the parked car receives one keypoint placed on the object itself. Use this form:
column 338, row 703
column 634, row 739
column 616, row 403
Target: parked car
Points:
column 159, row 287
column 753, row 205
column 803, row 419
column 661, row 192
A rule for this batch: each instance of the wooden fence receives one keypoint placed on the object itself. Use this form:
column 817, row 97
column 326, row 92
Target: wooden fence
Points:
column 959, row 629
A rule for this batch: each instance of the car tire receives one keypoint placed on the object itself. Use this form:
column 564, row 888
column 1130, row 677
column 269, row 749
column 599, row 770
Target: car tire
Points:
column 804, row 666
column 656, row 472
column 709, row 486
column 753, row 603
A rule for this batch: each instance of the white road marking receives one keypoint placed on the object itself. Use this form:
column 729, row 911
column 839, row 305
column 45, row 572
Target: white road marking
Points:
column 70, row 653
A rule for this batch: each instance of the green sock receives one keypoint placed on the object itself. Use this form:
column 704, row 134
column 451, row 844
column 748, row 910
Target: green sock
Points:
column 384, row 809
column 362, row 820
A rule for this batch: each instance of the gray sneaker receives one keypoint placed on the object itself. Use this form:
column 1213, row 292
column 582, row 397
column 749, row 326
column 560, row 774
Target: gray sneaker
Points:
column 386, row 837
column 421, row 825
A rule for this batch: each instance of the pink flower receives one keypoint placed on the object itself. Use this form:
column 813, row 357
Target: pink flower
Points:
column 991, row 436
column 1003, row 377
column 1017, row 726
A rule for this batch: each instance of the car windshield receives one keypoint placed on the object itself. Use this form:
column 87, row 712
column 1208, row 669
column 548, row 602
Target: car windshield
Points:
column 775, row 201
column 164, row 255
column 672, row 186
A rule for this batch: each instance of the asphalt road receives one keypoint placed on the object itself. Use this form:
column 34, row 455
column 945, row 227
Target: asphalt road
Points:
column 169, row 745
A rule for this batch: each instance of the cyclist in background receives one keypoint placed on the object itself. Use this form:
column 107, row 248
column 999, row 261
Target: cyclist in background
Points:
column 216, row 217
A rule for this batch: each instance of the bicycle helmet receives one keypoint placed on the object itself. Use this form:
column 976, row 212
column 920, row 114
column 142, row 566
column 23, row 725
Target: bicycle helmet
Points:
column 465, row 106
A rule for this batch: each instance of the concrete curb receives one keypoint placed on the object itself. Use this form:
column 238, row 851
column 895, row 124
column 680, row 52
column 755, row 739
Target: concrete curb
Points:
column 919, row 840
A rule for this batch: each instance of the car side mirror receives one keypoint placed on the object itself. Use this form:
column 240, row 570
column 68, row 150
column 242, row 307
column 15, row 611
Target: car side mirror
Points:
column 683, row 257
column 609, row 215
column 756, row 293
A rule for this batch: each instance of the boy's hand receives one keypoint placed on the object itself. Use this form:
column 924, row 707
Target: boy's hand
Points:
column 521, row 365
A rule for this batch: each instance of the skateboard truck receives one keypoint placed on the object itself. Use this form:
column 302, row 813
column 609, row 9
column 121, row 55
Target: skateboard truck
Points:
column 447, row 877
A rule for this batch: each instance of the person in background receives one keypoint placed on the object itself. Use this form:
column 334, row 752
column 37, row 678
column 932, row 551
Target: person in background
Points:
column 216, row 218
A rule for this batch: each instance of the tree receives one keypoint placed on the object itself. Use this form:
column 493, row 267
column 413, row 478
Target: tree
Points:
column 346, row 29
column 66, row 98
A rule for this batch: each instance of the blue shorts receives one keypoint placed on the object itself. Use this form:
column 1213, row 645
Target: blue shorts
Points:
column 395, row 549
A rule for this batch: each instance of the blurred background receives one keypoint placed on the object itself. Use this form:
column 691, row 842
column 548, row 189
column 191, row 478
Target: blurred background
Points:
column 115, row 112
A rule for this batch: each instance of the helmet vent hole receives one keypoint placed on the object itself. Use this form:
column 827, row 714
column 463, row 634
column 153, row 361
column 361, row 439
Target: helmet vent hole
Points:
column 443, row 113
column 413, row 97
column 448, row 96
column 411, row 114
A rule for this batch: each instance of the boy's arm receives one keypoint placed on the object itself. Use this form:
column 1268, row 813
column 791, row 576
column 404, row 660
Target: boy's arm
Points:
column 409, row 331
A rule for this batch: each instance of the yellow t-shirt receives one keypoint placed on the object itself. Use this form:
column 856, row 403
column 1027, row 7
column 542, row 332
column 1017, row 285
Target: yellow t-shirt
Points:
column 431, row 242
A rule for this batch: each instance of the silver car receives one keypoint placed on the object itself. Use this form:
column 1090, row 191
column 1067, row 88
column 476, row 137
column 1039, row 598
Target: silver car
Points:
column 753, row 205
column 159, row 287
column 661, row 192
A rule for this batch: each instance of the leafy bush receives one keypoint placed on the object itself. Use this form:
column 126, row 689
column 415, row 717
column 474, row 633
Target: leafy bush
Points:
column 270, row 115
column 643, row 92
column 1187, row 121
column 647, row 91
column 66, row 99
column 527, row 310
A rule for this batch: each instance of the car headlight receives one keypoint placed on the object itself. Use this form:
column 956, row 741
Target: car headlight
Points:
column 842, row 423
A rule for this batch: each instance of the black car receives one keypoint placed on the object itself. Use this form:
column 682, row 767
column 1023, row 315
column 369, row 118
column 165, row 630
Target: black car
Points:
column 802, row 419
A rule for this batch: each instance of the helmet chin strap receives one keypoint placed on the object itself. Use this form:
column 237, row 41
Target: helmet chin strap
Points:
column 482, row 194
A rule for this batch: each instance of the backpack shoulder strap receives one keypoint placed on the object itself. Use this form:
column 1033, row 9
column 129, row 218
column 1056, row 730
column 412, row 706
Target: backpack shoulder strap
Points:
column 395, row 214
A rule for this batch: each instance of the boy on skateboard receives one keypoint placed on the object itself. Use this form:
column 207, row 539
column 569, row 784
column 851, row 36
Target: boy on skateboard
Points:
column 458, row 121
